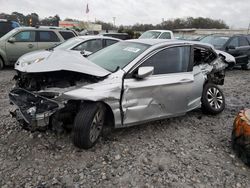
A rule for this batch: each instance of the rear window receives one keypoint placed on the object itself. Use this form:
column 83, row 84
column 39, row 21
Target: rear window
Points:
column 47, row 36
column 66, row 34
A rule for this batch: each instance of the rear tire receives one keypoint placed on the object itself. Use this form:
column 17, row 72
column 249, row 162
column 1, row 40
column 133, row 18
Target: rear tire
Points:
column 88, row 124
column 213, row 100
column 1, row 64
column 246, row 66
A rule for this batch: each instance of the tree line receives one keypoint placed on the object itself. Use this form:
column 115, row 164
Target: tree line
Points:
column 171, row 24
column 31, row 19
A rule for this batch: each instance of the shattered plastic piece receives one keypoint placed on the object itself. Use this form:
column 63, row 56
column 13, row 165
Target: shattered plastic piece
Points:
column 241, row 135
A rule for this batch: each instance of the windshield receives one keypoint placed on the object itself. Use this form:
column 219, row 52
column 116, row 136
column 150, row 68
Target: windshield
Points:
column 117, row 55
column 68, row 43
column 150, row 35
column 217, row 41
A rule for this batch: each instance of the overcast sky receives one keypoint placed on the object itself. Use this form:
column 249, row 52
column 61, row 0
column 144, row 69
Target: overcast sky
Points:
column 236, row 13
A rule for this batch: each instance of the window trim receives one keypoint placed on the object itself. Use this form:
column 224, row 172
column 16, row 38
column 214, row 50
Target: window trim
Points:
column 24, row 31
column 130, row 73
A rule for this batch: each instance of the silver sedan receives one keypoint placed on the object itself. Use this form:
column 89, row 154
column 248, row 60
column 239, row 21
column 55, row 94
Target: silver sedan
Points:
column 126, row 84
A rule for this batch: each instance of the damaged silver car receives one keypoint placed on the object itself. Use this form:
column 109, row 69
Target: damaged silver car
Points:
column 126, row 84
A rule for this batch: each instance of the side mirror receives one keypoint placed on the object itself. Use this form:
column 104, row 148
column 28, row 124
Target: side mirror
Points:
column 144, row 72
column 12, row 40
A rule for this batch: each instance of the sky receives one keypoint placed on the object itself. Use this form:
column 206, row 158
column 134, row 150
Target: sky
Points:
column 236, row 13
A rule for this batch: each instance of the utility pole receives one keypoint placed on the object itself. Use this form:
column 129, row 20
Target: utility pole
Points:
column 248, row 28
column 114, row 20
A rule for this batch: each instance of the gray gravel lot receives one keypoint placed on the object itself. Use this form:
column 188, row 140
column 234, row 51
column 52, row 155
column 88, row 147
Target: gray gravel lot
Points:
column 189, row 151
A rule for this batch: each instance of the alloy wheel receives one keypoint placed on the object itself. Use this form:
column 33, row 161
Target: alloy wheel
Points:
column 215, row 98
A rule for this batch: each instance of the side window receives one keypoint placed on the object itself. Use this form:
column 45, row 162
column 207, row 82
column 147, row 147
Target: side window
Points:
column 243, row 41
column 47, row 36
column 234, row 42
column 66, row 34
column 109, row 42
column 25, row 36
column 170, row 60
column 202, row 55
column 90, row 45
column 165, row 35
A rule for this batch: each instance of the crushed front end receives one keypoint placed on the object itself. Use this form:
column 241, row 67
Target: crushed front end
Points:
column 32, row 110
column 38, row 100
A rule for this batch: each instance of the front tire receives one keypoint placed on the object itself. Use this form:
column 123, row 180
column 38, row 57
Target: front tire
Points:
column 213, row 100
column 88, row 124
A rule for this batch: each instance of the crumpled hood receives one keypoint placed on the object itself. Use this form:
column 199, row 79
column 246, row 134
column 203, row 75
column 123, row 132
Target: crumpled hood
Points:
column 49, row 61
column 228, row 57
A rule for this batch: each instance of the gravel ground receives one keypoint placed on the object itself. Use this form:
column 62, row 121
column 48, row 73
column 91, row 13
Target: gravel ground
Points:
column 189, row 151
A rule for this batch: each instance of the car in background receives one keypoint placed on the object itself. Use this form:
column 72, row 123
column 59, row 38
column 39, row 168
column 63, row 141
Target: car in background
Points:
column 236, row 45
column 193, row 37
column 128, row 83
column 84, row 45
column 88, row 32
column 157, row 34
column 22, row 40
column 87, row 44
column 122, row 36
column 6, row 26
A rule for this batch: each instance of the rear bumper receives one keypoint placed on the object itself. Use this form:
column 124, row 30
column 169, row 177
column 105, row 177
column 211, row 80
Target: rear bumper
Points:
column 32, row 109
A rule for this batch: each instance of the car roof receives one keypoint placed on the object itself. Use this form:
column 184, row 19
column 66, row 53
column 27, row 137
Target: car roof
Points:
column 96, row 37
column 43, row 28
column 114, row 34
column 159, row 30
column 153, row 42
column 227, row 35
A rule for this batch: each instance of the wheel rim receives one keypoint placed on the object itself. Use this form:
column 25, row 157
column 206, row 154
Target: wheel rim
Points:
column 215, row 98
column 96, row 126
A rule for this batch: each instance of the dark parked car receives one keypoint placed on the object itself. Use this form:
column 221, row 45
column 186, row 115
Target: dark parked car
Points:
column 6, row 26
column 236, row 45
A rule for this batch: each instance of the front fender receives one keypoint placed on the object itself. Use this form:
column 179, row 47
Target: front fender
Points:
column 109, row 94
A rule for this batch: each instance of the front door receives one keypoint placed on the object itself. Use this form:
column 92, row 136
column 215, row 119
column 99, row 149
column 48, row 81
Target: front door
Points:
column 163, row 94
column 24, row 43
column 241, row 47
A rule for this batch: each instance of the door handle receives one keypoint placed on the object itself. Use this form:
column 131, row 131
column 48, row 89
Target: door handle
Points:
column 30, row 45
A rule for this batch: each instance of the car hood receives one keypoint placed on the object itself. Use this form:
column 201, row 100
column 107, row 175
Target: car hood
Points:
column 49, row 61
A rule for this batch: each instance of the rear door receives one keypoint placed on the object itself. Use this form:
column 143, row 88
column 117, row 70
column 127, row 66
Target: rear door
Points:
column 163, row 94
column 24, row 42
column 47, row 39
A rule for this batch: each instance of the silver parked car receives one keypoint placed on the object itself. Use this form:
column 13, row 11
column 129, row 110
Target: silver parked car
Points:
column 84, row 44
column 128, row 83
column 22, row 40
